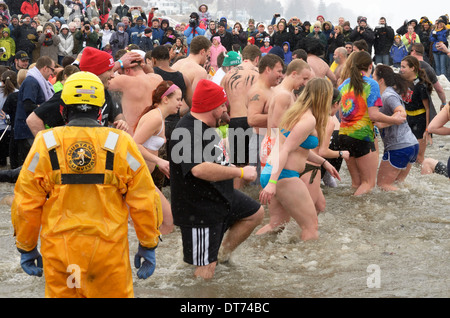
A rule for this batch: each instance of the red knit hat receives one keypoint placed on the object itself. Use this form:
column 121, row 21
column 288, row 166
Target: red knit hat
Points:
column 96, row 61
column 207, row 96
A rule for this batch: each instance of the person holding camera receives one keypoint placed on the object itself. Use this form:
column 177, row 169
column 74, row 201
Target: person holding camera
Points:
column 363, row 32
column 384, row 38
column 85, row 37
column 193, row 29
column 49, row 42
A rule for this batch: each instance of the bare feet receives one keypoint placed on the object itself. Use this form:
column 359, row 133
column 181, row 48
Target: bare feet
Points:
column 269, row 228
column 205, row 272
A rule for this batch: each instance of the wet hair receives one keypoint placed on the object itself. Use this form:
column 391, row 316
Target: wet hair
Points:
column 423, row 78
column 418, row 48
column 269, row 60
column 392, row 79
column 361, row 62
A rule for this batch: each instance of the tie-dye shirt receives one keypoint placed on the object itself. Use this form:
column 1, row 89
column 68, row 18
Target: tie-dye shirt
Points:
column 355, row 121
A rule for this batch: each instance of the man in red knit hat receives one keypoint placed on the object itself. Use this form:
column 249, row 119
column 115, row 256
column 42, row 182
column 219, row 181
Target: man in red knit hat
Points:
column 101, row 64
column 204, row 203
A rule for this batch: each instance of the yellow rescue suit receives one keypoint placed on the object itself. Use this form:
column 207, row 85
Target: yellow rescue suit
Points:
column 77, row 188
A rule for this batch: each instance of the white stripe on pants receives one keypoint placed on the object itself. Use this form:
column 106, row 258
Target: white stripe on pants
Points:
column 200, row 246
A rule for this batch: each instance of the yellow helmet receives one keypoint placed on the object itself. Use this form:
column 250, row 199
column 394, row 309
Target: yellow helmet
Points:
column 83, row 88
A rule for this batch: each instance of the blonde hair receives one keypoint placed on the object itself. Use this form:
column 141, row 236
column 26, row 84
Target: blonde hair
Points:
column 21, row 74
column 316, row 96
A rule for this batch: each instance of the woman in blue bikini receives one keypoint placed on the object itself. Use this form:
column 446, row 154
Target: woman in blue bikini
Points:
column 302, row 127
column 149, row 136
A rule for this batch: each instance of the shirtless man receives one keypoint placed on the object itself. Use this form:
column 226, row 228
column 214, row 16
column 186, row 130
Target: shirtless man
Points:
column 340, row 56
column 298, row 73
column 192, row 65
column 237, row 83
column 320, row 67
column 137, row 89
column 270, row 70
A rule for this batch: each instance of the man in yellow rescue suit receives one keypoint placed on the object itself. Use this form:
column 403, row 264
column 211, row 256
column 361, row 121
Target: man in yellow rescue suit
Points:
column 77, row 187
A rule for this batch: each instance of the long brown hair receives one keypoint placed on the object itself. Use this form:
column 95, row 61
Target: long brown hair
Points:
column 156, row 98
column 421, row 75
column 361, row 62
column 392, row 79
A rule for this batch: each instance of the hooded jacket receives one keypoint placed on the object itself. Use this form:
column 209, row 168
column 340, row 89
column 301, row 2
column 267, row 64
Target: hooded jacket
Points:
column 66, row 43
column 49, row 43
column 5, row 13
column 215, row 51
column 9, row 44
column 288, row 54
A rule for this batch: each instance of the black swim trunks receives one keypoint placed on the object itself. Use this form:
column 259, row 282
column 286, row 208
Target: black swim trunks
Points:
column 356, row 147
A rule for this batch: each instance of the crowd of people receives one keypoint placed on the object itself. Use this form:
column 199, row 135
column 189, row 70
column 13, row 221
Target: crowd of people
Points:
column 205, row 108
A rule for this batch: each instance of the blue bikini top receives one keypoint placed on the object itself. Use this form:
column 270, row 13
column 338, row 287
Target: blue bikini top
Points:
column 310, row 143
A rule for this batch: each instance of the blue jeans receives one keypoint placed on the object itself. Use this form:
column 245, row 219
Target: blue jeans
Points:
column 440, row 63
column 382, row 59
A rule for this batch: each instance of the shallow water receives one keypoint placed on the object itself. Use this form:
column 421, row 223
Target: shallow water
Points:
column 403, row 235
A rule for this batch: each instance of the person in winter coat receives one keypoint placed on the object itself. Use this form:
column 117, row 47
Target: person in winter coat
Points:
column 267, row 47
column 410, row 37
column 146, row 40
column 66, row 43
column 193, row 29
column 76, row 10
column 318, row 34
column 30, row 7
column 119, row 40
column 226, row 38
column 260, row 35
column 25, row 36
column 346, row 31
column 157, row 32
column 104, row 6
column 169, row 36
column 203, row 13
column 56, row 9
column 239, row 35
column 211, row 30
column 363, row 32
column 107, row 32
column 281, row 35
column 425, row 39
column 13, row 6
column 384, row 38
column 335, row 40
column 85, row 37
column 49, row 42
column 9, row 44
column 439, row 34
column 4, row 12
column 216, row 49
column 137, row 30
column 287, row 52
column 398, row 51
column 92, row 10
